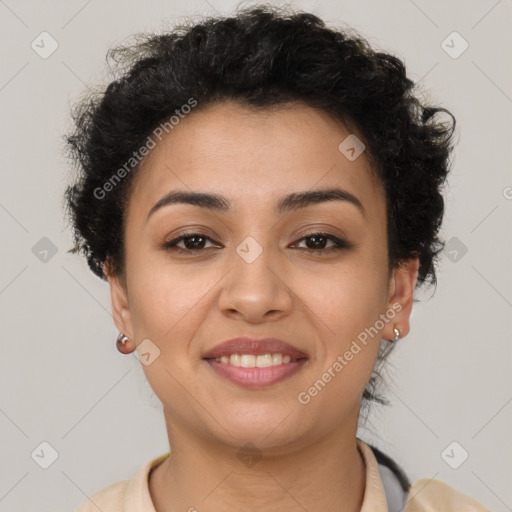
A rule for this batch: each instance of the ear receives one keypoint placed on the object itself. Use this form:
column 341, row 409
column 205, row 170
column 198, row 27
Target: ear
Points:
column 401, row 295
column 120, row 305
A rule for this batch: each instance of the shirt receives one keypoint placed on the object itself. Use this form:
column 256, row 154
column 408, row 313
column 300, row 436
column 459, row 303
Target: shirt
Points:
column 382, row 492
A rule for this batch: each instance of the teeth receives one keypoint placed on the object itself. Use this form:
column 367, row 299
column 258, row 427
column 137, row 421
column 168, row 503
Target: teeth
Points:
column 254, row 361
column 264, row 360
column 247, row 361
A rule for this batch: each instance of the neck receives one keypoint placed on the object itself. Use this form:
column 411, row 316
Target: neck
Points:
column 202, row 475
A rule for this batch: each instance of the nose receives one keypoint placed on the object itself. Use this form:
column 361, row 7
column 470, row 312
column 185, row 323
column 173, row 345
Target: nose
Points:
column 256, row 291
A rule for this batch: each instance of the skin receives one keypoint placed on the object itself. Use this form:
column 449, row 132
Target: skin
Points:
column 188, row 303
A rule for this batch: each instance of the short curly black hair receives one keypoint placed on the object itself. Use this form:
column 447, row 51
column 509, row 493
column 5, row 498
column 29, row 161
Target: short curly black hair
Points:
column 263, row 56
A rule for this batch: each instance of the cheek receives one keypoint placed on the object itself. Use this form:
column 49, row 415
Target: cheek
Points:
column 347, row 298
column 166, row 300
column 346, row 304
column 167, row 308
column 161, row 293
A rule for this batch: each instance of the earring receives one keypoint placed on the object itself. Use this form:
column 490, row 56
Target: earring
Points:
column 121, row 344
column 397, row 335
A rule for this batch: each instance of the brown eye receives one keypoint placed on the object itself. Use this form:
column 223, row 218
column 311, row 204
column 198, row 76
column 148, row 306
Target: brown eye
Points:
column 316, row 242
column 192, row 242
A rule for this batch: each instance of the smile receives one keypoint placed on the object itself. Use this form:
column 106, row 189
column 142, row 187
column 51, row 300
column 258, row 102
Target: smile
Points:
column 252, row 360
column 255, row 371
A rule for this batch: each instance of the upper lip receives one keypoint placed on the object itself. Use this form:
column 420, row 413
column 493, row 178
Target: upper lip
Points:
column 246, row 345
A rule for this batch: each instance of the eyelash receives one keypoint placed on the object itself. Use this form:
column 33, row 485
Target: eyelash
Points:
column 339, row 243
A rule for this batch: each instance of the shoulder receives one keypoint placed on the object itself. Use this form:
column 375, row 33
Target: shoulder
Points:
column 109, row 499
column 429, row 495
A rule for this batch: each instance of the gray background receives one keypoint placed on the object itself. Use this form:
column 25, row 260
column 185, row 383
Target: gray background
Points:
column 63, row 381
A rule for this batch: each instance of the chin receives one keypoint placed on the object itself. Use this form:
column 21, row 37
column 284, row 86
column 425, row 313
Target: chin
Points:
column 271, row 428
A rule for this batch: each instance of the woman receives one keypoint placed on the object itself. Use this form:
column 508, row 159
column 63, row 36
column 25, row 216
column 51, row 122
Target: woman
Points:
column 263, row 195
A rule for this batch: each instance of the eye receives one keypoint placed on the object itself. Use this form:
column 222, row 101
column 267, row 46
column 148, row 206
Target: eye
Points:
column 319, row 240
column 193, row 242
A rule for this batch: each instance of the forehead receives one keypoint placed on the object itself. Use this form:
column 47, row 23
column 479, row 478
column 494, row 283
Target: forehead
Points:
column 253, row 155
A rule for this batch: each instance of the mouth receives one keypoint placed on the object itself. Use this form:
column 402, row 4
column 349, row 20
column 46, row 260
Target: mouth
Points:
column 252, row 363
column 255, row 376
column 255, row 360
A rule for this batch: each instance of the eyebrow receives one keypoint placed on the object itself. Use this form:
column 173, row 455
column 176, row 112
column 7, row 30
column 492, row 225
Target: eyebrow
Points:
column 288, row 203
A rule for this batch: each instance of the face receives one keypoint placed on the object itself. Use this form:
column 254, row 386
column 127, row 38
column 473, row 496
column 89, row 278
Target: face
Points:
column 312, row 273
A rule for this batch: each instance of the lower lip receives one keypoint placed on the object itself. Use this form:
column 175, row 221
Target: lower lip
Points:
column 256, row 377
